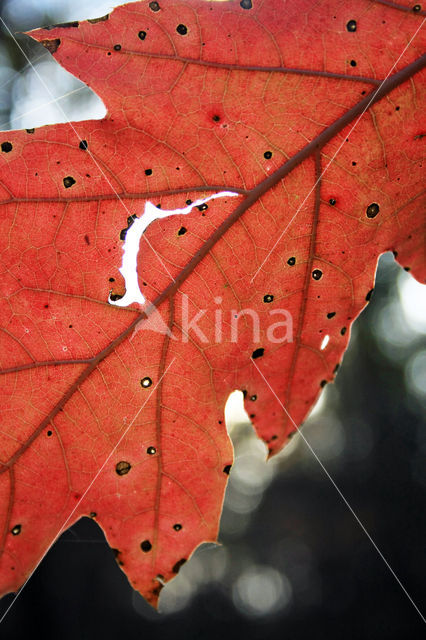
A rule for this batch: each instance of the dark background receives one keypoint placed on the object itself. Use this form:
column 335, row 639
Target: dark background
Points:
column 294, row 561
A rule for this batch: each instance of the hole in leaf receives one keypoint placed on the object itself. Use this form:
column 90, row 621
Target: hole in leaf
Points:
column 317, row 274
column 258, row 353
column 146, row 545
column 372, row 210
column 151, row 451
column 351, row 25
column 146, row 382
column 122, row 467
column 68, row 182
column 182, row 29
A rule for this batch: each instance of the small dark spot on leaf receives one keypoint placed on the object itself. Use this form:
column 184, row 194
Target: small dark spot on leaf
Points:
column 267, row 155
column 93, row 514
column 148, row 172
column 258, row 353
column 216, row 118
column 352, row 63
column 188, row 202
column 244, row 391
column 417, row 7
column 115, row 296
column 369, row 294
column 227, row 468
column 182, row 29
column 86, row 239
column 202, row 207
column 30, row 130
column 363, row 93
column 323, row 383
column 372, row 210
column 332, row 201
column 6, row 147
column 151, row 451
column 252, row 415
column 109, row 53
column 68, row 182
column 142, row 35
column 122, row 467
column 83, row 145
column 51, row 45
column 182, row 231
column 146, row 545
column 336, row 368
column 268, row 297
column 253, row 398
column 331, row 314
column 16, row 530
column 117, row 47
column 397, row 108
column 317, row 274
column 291, row 261
column 274, row 437
column 246, row 4
column 407, row 268
column 343, row 331
column 146, row 382
column 353, row 163
column 111, row 279
column 154, row 6
column 177, row 527
column 351, row 25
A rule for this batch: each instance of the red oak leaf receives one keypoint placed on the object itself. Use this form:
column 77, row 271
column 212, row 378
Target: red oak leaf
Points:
column 218, row 230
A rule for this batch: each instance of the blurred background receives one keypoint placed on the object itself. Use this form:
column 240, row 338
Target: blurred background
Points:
column 293, row 559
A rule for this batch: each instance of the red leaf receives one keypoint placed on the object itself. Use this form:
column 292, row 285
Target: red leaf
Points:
column 309, row 113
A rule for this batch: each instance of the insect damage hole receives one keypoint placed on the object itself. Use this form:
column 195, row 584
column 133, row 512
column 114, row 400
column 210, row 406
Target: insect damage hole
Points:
column 258, row 353
column 246, row 4
column 16, row 530
column 267, row 155
column 154, row 6
column 372, row 210
column 268, row 298
column 68, row 182
column 317, row 274
column 146, row 382
column 6, row 147
column 351, row 25
column 83, row 145
column 182, row 29
column 146, row 546
column 122, row 467
column 177, row 527
column 182, row 231
column 142, row 35
column 151, row 451
column 324, row 342
column 291, row 261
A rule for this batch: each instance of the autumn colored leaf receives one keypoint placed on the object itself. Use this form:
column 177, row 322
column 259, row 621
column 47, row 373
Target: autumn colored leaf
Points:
column 260, row 155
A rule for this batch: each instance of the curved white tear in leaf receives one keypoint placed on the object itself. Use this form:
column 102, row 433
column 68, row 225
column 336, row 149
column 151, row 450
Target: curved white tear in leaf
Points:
column 134, row 234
